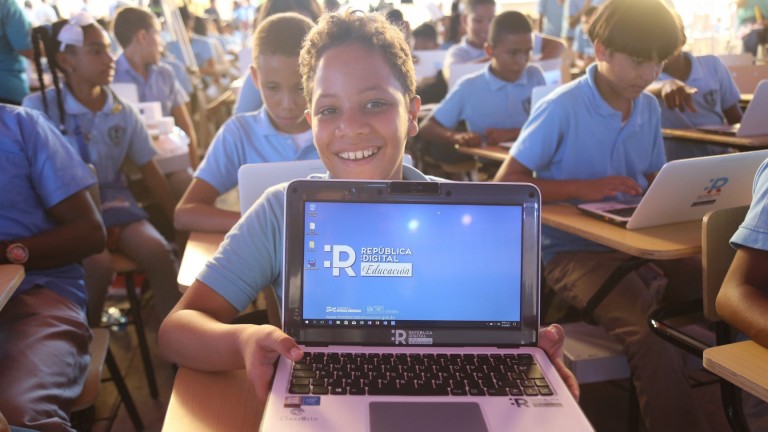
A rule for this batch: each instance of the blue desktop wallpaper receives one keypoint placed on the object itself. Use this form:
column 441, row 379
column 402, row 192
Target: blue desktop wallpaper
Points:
column 412, row 262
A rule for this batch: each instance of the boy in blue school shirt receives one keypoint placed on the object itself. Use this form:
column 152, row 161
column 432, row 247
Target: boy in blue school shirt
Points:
column 551, row 17
column 48, row 224
column 494, row 102
column 743, row 298
column 138, row 32
column 599, row 137
column 361, row 88
column 277, row 132
column 695, row 91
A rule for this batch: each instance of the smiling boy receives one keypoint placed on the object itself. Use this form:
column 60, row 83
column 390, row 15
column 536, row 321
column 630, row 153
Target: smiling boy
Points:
column 596, row 138
column 359, row 80
column 276, row 132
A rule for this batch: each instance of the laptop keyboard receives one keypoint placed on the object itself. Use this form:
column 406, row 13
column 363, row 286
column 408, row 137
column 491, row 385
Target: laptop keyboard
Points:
column 622, row 212
column 418, row 375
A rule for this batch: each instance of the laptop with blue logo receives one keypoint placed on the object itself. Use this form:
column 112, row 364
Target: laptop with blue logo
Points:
column 685, row 190
column 417, row 307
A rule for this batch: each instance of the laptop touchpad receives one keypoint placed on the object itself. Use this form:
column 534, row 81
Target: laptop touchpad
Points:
column 426, row 416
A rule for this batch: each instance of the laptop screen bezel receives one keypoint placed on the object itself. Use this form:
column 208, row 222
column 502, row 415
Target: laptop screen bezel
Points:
column 516, row 194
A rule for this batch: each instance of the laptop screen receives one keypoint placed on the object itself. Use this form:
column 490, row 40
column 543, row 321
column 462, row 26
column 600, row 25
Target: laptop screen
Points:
column 411, row 263
column 453, row 263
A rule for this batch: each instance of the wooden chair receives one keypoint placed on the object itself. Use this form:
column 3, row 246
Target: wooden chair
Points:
column 717, row 254
column 100, row 353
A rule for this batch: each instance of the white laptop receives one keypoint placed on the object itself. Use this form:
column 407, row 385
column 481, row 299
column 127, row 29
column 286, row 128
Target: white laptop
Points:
column 253, row 179
column 409, row 281
column 427, row 63
column 685, row 190
column 754, row 122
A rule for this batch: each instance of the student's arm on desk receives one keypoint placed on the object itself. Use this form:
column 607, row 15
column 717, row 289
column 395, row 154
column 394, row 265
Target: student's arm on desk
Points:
column 196, row 212
column 561, row 190
column 743, row 298
column 197, row 334
column 434, row 132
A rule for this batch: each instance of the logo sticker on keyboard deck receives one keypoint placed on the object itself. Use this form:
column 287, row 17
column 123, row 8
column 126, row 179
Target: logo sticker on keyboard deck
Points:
column 298, row 401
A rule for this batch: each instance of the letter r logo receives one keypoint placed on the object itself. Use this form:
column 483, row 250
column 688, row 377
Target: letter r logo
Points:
column 337, row 261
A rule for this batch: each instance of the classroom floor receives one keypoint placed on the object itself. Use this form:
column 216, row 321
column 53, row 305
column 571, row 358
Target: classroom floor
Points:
column 606, row 404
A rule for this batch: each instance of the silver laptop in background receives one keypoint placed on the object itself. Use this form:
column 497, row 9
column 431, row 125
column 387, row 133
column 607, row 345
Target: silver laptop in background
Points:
column 436, row 281
column 754, row 122
column 685, row 190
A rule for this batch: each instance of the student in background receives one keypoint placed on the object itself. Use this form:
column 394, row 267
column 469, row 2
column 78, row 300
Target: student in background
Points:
column 695, row 91
column 106, row 133
column 425, row 37
column 551, row 17
column 48, row 224
column 743, row 298
column 596, row 138
column 583, row 48
column 249, row 98
column 476, row 19
column 276, row 132
column 14, row 46
column 138, row 32
column 361, row 89
column 751, row 19
column 395, row 16
column 494, row 102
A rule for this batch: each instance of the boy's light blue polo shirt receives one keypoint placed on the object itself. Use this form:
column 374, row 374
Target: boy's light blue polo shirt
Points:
column 202, row 50
column 38, row 171
column 180, row 71
column 552, row 13
column 485, row 101
column 14, row 37
column 753, row 232
column 716, row 91
column 160, row 85
column 251, row 256
column 115, row 132
column 249, row 97
column 574, row 134
column 248, row 138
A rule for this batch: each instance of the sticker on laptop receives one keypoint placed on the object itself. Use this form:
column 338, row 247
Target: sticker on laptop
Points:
column 298, row 401
column 711, row 192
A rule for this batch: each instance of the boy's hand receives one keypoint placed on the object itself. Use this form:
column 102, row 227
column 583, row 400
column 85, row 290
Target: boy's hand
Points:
column 467, row 139
column 495, row 136
column 677, row 95
column 598, row 189
column 261, row 346
column 551, row 340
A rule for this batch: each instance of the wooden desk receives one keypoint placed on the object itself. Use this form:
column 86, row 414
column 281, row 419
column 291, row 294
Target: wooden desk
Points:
column 11, row 276
column 496, row 153
column 662, row 242
column 741, row 143
column 213, row 401
column 200, row 248
column 743, row 364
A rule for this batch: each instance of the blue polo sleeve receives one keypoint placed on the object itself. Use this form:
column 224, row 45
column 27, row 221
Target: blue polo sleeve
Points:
column 540, row 137
column 223, row 160
column 451, row 110
column 16, row 27
column 753, row 232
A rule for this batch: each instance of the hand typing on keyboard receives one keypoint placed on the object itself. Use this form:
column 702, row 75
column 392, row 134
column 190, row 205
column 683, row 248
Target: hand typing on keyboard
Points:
column 261, row 345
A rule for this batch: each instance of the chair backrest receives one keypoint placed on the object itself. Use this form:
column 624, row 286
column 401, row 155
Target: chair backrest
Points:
column 716, row 252
column 747, row 77
column 737, row 59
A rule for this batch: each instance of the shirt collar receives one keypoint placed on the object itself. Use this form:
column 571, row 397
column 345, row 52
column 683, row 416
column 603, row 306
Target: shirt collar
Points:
column 598, row 102
column 497, row 83
column 73, row 106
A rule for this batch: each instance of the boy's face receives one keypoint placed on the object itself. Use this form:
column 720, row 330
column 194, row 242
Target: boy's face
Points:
column 360, row 115
column 279, row 80
column 626, row 76
column 478, row 23
column 153, row 45
column 510, row 55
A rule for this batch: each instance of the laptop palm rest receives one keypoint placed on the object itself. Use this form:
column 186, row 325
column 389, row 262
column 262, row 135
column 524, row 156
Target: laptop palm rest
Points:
column 426, row 416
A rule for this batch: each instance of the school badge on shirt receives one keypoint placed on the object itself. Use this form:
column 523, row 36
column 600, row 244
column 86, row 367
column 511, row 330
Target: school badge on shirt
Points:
column 115, row 134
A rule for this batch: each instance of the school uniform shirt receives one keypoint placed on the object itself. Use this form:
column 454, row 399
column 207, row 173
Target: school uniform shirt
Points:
column 716, row 92
column 105, row 138
column 250, row 138
column 461, row 52
column 551, row 11
column 753, row 232
column 202, row 49
column 250, row 257
column 484, row 101
column 574, row 134
column 582, row 44
column 38, row 170
column 249, row 96
column 160, row 85
column 15, row 33
column 182, row 77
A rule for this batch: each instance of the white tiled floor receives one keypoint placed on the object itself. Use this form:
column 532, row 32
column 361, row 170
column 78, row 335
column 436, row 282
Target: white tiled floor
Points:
column 606, row 404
